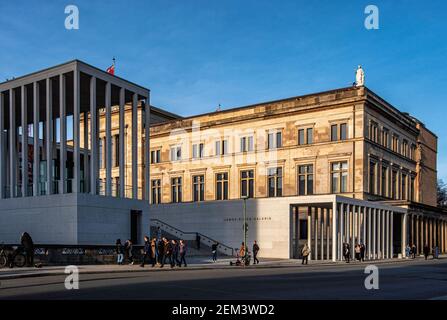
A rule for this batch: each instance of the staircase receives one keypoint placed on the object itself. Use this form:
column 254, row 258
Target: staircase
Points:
column 206, row 242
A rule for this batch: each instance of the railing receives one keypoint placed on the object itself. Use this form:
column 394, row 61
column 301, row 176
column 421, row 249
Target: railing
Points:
column 203, row 238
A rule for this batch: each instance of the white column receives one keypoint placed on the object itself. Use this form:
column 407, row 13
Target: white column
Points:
column 147, row 149
column 365, row 218
column 121, row 146
column 108, row 141
column 315, row 219
column 391, row 234
column 328, row 239
column 12, row 143
column 62, row 135
column 334, row 231
column 353, row 220
column 2, row 146
column 86, row 152
column 309, row 230
column 322, row 228
column 134, row 146
column 76, row 134
column 93, row 138
column 36, row 142
column 387, row 240
column 24, row 141
column 383, row 221
column 374, row 233
column 49, row 135
column 404, row 233
column 369, row 242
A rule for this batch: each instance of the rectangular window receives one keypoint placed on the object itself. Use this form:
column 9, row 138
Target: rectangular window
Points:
column 310, row 135
column 372, row 177
column 247, row 183
column 274, row 140
column 222, row 186
column 198, row 187
column 343, row 131
column 306, row 180
column 247, row 144
column 221, row 147
column 176, row 153
column 156, row 191
column 395, row 143
column 301, row 139
column 274, row 182
column 384, row 181
column 412, row 188
column 334, row 135
column 197, row 151
column 405, row 148
column 155, row 156
column 385, row 137
column 394, row 194
column 176, row 189
column 404, row 187
column 339, row 177
column 117, row 150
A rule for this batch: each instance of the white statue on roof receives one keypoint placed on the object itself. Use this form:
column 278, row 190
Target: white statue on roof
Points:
column 359, row 77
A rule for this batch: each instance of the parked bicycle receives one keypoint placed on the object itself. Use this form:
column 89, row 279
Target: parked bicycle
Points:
column 11, row 257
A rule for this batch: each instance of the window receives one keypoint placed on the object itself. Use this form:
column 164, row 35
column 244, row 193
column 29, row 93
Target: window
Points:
column 247, row 144
column 373, row 131
column 394, row 194
column 384, row 182
column 310, row 135
column 412, row 188
column 197, row 151
column 222, row 186
column 101, row 153
column 413, row 152
column 301, row 139
column 198, row 187
column 247, row 183
column 221, row 147
column 339, row 132
column 395, row 143
column 305, row 136
column 372, row 177
column 116, row 139
column 405, row 148
column 339, row 177
column 176, row 189
column 155, row 156
column 305, row 179
column 274, row 140
column 403, row 187
column 176, row 153
column 274, row 182
column 156, row 191
column 385, row 137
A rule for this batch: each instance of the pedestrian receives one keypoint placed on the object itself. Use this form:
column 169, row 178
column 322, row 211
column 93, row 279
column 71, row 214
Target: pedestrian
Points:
column 357, row 252
column 407, row 251
column 214, row 250
column 168, row 252
column 28, row 248
column 347, row 252
column 242, row 252
column 175, row 252
column 119, row 252
column 305, row 254
column 413, row 250
column 158, row 234
column 161, row 252
column 436, row 252
column 426, row 251
column 182, row 252
column 198, row 238
column 362, row 252
column 153, row 255
column 255, row 253
column 146, row 250
column 128, row 247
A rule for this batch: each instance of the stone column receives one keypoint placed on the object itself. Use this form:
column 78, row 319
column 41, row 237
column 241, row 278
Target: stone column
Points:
column 309, row 229
column 24, row 141
column 374, row 233
column 341, row 231
column 315, row 236
column 49, row 135
column 86, row 152
column 121, row 142
column 328, row 224
column 76, row 135
column 334, row 231
column 147, row 149
column 12, row 143
column 383, row 221
column 392, row 234
column 63, row 135
column 2, row 146
column 36, row 142
column 404, row 233
column 369, row 238
column 135, row 146
column 108, row 140
column 93, row 138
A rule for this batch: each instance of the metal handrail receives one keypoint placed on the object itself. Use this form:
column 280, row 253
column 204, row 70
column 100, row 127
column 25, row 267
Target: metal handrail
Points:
column 210, row 240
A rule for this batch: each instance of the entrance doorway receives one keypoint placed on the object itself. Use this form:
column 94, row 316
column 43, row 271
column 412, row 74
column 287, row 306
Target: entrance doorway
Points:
column 135, row 221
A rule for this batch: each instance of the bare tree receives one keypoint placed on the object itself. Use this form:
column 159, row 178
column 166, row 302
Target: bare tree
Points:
column 442, row 193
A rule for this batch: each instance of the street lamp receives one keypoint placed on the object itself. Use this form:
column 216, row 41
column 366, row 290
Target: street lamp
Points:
column 245, row 228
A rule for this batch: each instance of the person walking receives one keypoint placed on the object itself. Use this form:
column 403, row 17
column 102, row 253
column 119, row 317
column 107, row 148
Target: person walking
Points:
column 357, row 252
column 214, row 250
column 169, row 252
column 161, row 252
column 242, row 251
column 146, row 251
column 182, row 252
column 175, row 252
column 305, row 254
column 347, row 252
column 413, row 251
column 426, row 251
column 362, row 252
column 128, row 247
column 407, row 251
column 436, row 252
column 119, row 252
column 255, row 253
column 28, row 247
column 153, row 251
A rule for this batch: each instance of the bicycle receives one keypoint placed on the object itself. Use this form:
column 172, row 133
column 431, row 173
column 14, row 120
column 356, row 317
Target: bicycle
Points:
column 16, row 258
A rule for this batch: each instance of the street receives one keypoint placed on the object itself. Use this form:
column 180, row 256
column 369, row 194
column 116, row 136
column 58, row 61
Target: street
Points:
column 399, row 280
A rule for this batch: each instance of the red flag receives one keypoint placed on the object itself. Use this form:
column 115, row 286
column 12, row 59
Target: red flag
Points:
column 111, row 69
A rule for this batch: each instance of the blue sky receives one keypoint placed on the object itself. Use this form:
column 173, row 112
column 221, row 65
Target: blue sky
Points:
column 197, row 54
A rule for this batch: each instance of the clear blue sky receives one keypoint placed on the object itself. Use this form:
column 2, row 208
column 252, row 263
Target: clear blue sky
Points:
column 196, row 54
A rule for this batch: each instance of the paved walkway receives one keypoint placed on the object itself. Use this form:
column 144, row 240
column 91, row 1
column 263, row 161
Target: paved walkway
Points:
column 194, row 263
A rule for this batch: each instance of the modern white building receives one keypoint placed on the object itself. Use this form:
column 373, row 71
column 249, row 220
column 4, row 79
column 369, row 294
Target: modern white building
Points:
column 49, row 172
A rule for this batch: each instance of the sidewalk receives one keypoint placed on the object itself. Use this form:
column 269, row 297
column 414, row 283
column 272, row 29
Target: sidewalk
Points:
column 194, row 263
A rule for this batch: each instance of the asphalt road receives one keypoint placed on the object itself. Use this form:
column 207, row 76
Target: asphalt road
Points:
column 404, row 280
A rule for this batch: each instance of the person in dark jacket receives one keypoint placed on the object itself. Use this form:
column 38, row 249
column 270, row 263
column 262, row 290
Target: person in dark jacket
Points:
column 255, row 253
column 128, row 247
column 414, row 251
column 214, row 250
column 347, row 252
column 28, row 248
column 168, row 253
column 426, row 251
column 161, row 252
column 362, row 251
column 146, row 250
column 174, row 251
column 119, row 252
column 182, row 252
